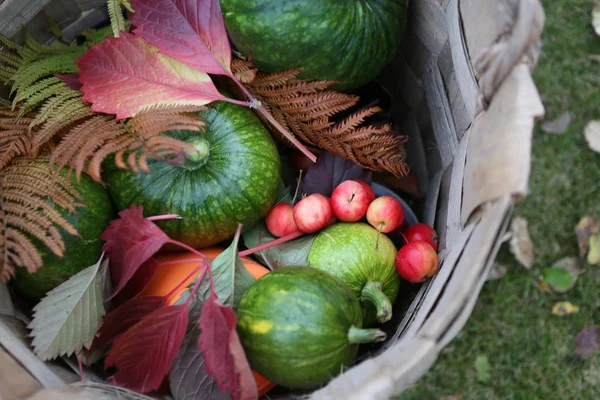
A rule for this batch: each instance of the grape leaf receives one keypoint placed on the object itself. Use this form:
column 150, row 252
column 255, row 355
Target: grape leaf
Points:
column 125, row 75
column 129, row 242
column 68, row 317
column 587, row 342
column 145, row 352
column 329, row 172
column 127, row 315
column 224, row 356
column 231, row 278
column 293, row 252
column 188, row 377
column 190, row 31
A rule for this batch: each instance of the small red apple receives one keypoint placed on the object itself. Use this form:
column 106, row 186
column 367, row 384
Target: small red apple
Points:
column 385, row 214
column 368, row 188
column 280, row 220
column 422, row 232
column 349, row 201
column 332, row 220
column 312, row 213
column 417, row 261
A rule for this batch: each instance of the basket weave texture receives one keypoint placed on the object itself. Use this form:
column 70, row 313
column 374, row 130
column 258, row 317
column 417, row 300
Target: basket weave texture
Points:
column 465, row 97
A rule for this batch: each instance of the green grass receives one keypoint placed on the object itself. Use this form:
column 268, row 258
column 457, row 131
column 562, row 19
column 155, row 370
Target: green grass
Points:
column 530, row 350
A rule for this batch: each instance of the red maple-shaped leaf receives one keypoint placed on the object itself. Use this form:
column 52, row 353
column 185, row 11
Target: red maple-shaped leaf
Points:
column 124, row 317
column 224, row 356
column 145, row 352
column 125, row 75
column 130, row 240
column 191, row 31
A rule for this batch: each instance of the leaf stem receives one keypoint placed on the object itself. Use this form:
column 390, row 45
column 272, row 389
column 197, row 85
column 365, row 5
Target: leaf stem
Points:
column 195, row 271
column 372, row 292
column 357, row 335
column 297, row 187
column 270, row 244
column 208, row 268
column 263, row 111
column 164, row 217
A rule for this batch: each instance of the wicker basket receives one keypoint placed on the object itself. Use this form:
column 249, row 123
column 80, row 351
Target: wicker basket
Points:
column 465, row 97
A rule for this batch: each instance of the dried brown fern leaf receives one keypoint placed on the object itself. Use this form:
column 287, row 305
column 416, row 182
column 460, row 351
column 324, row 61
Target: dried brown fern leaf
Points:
column 306, row 108
column 26, row 184
column 15, row 138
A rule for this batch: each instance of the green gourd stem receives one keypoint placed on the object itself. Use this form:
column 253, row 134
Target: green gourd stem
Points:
column 198, row 158
column 358, row 336
column 372, row 292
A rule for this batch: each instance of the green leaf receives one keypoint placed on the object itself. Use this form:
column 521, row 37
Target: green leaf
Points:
column 67, row 319
column 293, row 252
column 593, row 256
column 231, row 278
column 117, row 21
column 563, row 275
column 482, row 368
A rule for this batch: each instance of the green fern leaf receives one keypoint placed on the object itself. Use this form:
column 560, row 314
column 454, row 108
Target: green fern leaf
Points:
column 29, row 73
column 10, row 59
column 9, row 44
column 4, row 102
column 55, row 103
column 35, row 94
column 117, row 21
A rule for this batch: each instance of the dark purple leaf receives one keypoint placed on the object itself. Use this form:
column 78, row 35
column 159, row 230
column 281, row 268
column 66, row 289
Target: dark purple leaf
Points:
column 329, row 172
column 586, row 343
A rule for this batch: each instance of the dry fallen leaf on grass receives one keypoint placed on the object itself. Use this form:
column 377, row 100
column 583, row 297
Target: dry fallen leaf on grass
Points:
column 563, row 274
column 593, row 256
column 592, row 135
column 586, row 227
column 596, row 17
column 497, row 271
column 521, row 245
column 558, row 125
column 587, row 341
column 563, row 308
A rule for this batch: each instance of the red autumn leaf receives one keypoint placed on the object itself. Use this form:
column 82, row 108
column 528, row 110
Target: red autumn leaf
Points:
column 124, row 317
column 190, row 31
column 145, row 352
column 125, row 75
column 130, row 241
column 139, row 280
column 224, row 356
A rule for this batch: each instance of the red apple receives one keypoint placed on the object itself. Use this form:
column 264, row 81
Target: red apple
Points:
column 349, row 201
column 332, row 220
column 385, row 214
column 312, row 213
column 368, row 188
column 417, row 261
column 422, row 232
column 280, row 220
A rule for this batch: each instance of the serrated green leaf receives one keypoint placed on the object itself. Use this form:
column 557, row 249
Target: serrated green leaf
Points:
column 482, row 368
column 593, row 256
column 231, row 278
column 117, row 21
column 67, row 319
column 293, row 252
column 559, row 279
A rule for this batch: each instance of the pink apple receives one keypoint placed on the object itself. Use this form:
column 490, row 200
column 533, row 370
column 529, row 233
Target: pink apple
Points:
column 422, row 232
column 280, row 220
column 349, row 201
column 368, row 188
column 417, row 261
column 385, row 214
column 312, row 213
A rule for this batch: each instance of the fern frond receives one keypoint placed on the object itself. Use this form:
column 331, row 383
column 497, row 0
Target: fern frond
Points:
column 117, row 21
column 38, row 93
column 55, row 104
column 4, row 102
column 305, row 108
column 26, row 184
column 10, row 59
column 15, row 139
column 31, row 72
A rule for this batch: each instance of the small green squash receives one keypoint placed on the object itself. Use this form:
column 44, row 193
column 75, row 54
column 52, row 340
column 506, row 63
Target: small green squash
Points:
column 80, row 251
column 233, row 178
column 301, row 327
column 348, row 41
column 349, row 251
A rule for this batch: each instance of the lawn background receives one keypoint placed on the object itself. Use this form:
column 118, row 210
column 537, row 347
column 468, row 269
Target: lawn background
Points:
column 530, row 351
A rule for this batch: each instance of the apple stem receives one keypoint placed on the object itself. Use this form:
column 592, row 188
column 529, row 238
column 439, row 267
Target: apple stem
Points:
column 372, row 292
column 357, row 335
column 297, row 188
column 378, row 233
column 270, row 244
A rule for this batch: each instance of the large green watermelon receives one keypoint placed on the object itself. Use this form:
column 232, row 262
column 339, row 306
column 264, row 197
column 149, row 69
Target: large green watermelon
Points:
column 232, row 179
column 348, row 41
column 80, row 251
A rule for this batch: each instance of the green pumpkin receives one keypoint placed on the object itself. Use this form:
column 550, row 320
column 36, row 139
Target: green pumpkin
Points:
column 233, row 178
column 301, row 327
column 348, row 41
column 80, row 251
column 353, row 253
